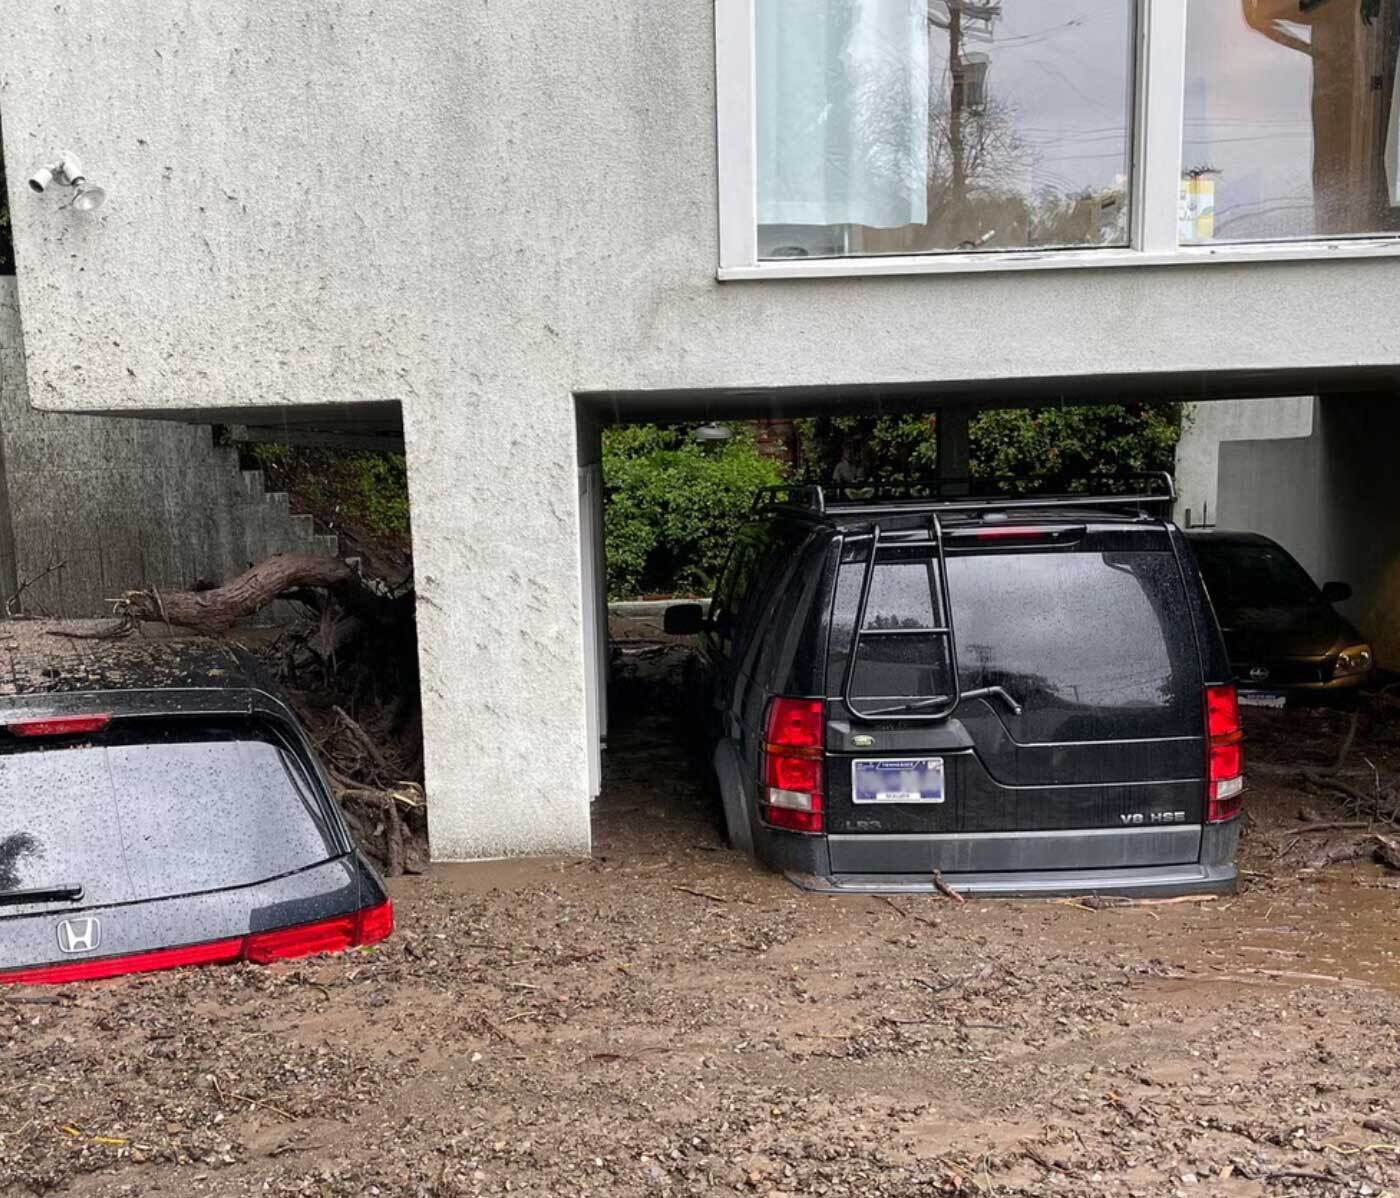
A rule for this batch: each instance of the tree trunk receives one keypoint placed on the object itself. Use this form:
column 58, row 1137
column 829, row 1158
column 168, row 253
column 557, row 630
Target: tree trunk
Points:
column 217, row 611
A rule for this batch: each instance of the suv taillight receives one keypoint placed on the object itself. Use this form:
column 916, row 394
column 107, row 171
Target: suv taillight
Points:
column 793, row 765
column 1225, row 746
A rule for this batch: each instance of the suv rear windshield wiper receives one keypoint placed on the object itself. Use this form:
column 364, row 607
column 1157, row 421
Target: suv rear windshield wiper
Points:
column 64, row 892
column 982, row 692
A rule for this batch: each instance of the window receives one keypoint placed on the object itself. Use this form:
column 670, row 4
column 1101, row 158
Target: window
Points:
column 1292, row 124
column 154, row 809
column 1076, row 637
column 885, row 136
column 915, row 126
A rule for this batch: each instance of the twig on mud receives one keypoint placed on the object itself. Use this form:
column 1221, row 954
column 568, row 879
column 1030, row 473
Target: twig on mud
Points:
column 1331, row 826
column 946, row 890
column 267, row 1106
column 1345, row 1149
column 704, row 894
column 923, row 919
column 1289, row 1175
column 1044, row 1162
column 1104, row 902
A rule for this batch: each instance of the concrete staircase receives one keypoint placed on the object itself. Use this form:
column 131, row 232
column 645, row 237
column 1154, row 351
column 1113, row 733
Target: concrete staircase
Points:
column 268, row 524
column 91, row 506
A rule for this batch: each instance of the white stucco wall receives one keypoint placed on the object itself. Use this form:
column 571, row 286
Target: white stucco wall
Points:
column 479, row 210
column 1206, row 425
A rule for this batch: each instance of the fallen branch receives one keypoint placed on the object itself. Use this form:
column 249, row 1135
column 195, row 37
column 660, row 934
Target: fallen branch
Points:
column 217, row 610
column 1103, row 902
column 946, row 890
column 1330, row 826
column 704, row 894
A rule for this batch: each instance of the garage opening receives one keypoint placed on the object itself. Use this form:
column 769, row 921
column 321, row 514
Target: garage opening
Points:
column 282, row 535
column 671, row 496
column 666, row 497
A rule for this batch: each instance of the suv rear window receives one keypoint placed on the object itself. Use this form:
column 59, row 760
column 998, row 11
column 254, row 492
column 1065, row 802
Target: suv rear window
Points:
column 1066, row 633
column 152, row 809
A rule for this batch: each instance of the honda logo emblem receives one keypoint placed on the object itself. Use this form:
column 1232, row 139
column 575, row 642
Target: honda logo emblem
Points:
column 80, row 935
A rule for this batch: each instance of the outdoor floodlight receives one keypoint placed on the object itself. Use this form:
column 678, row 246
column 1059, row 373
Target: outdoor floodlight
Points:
column 713, row 432
column 69, row 171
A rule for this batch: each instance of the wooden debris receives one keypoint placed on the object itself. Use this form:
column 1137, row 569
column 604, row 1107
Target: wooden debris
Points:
column 946, row 890
column 704, row 894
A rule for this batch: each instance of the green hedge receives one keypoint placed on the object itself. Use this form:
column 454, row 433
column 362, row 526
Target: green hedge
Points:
column 1070, row 441
column 672, row 505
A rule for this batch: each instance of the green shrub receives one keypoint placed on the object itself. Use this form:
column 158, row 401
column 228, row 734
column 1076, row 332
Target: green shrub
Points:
column 367, row 488
column 1078, row 441
column 672, row 505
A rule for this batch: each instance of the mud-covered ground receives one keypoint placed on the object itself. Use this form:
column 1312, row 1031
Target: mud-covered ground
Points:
column 665, row 1019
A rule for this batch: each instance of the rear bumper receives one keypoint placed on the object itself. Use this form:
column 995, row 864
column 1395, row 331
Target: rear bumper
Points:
column 1158, row 881
column 1135, row 862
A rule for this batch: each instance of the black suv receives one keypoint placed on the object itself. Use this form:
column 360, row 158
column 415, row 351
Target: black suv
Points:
column 1025, row 695
column 158, row 807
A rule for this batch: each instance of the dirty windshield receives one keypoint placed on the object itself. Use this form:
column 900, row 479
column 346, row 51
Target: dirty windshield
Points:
column 149, row 811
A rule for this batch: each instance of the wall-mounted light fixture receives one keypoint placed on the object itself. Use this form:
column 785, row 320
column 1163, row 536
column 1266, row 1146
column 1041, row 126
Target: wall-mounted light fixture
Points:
column 710, row 433
column 69, row 172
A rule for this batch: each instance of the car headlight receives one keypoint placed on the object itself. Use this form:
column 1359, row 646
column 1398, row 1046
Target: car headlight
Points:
column 1354, row 659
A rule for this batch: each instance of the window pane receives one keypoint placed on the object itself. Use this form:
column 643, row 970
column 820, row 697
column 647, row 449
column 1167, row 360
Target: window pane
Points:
column 152, row 809
column 1291, row 120
column 920, row 126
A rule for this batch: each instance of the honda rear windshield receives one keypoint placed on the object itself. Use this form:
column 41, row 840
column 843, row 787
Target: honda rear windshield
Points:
column 1074, row 637
column 151, row 809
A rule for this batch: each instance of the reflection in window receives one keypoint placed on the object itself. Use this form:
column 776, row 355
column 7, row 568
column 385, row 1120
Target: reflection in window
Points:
column 916, row 126
column 1292, row 121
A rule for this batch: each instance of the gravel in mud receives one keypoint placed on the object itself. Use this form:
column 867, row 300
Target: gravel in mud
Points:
column 664, row 1019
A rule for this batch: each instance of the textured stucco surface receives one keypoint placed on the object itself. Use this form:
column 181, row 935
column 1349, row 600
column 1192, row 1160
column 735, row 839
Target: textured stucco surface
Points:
column 1206, row 426
column 480, row 209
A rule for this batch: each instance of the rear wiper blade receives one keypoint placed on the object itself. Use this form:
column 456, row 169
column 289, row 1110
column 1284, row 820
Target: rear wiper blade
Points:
column 982, row 692
column 64, row 892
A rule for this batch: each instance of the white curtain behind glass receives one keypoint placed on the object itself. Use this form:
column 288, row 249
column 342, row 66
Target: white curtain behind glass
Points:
column 843, row 94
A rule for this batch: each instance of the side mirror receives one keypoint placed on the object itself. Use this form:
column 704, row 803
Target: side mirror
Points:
column 1336, row 592
column 684, row 619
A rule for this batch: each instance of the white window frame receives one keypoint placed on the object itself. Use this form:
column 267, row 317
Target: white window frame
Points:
column 1159, row 112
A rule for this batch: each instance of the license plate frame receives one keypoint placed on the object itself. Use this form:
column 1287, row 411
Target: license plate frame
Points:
column 928, row 786
column 1252, row 698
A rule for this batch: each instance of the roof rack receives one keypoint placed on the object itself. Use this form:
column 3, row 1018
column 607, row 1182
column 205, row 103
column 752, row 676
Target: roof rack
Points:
column 1135, row 491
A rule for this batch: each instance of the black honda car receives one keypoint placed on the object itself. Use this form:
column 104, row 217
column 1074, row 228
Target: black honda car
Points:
column 159, row 807
column 1007, row 694
column 1285, row 639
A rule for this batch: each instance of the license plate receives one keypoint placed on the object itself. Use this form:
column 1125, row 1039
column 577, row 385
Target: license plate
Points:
column 918, row 780
column 1262, row 699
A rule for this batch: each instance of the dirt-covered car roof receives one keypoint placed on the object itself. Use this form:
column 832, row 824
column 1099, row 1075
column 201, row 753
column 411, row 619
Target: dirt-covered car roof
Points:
column 54, row 657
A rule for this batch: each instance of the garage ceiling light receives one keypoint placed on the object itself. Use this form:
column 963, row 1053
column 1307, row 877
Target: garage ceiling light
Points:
column 713, row 432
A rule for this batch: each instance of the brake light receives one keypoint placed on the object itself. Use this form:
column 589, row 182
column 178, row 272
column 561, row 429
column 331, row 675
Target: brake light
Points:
column 376, row 923
column 217, row 952
column 1225, row 754
column 323, row 936
column 793, row 766
column 368, row 926
column 1015, row 534
column 60, row 725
